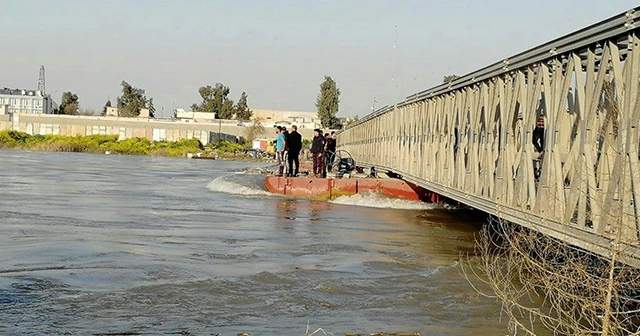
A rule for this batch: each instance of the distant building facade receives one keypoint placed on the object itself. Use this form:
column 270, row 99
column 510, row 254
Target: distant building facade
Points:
column 269, row 118
column 114, row 112
column 24, row 101
column 126, row 128
column 286, row 118
column 186, row 116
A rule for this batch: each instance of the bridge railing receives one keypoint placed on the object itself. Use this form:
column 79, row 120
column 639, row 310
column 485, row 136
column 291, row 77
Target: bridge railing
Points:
column 473, row 139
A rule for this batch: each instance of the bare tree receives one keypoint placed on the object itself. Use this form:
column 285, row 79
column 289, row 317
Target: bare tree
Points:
column 254, row 130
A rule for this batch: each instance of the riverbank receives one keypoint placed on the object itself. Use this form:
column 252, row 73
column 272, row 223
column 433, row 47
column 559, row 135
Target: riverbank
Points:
column 109, row 144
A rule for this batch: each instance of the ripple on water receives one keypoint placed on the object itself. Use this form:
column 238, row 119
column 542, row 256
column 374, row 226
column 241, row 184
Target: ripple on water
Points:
column 156, row 246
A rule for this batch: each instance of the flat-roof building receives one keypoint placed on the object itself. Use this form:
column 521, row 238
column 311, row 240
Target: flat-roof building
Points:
column 281, row 118
column 24, row 101
column 113, row 111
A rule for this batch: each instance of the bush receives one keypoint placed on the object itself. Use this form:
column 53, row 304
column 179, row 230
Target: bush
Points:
column 177, row 148
column 104, row 143
column 228, row 147
column 10, row 139
column 133, row 146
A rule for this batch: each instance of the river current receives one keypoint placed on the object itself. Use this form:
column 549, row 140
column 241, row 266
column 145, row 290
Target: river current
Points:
column 108, row 244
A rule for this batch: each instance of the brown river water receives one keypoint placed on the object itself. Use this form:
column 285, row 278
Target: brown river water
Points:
column 106, row 244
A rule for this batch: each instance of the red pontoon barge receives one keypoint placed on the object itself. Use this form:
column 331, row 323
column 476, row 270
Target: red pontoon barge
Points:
column 330, row 188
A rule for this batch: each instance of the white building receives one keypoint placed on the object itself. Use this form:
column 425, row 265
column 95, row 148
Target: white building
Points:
column 187, row 116
column 287, row 118
column 24, row 101
column 114, row 112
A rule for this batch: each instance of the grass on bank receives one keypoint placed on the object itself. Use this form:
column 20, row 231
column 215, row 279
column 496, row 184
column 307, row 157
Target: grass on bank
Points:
column 110, row 143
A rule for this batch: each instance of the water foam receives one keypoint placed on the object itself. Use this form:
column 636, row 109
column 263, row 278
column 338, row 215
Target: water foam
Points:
column 378, row 201
column 427, row 273
column 248, row 184
column 225, row 184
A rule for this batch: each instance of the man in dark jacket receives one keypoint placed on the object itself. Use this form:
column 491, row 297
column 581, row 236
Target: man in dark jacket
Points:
column 295, row 146
column 330, row 150
column 317, row 149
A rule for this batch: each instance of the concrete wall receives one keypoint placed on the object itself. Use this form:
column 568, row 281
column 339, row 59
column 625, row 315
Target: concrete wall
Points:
column 195, row 116
column 152, row 129
column 5, row 122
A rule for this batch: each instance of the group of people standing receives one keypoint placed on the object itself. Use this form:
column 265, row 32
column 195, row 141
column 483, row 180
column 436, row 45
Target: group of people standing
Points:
column 289, row 145
column 323, row 150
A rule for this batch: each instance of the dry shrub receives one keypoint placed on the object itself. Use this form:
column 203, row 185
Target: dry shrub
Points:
column 544, row 283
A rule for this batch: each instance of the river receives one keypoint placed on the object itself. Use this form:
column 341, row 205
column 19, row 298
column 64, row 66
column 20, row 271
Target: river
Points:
column 99, row 244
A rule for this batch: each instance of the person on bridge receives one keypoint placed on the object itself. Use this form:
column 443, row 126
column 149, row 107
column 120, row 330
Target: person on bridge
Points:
column 317, row 149
column 294, row 143
column 538, row 134
column 280, row 143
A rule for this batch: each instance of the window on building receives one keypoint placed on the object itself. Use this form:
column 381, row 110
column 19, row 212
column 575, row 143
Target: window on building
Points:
column 46, row 129
column 159, row 134
column 95, row 130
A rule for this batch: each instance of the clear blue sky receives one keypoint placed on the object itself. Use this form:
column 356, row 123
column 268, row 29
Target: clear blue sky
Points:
column 276, row 51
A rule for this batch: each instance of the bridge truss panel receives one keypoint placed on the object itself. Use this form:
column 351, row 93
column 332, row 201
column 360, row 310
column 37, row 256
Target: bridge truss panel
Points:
column 473, row 140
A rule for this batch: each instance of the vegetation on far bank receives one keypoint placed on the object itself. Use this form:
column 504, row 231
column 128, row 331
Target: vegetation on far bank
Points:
column 110, row 143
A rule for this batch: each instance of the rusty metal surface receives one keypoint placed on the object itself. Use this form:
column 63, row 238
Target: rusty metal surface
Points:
column 326, row 189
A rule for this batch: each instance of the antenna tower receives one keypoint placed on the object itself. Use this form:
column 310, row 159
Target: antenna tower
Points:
column 41, row 80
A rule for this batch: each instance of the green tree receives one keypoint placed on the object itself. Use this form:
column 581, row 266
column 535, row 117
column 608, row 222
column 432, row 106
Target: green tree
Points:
column 215, row 100
column 70, row 103
column 104, row 109
column 242, row 108
column 328, row 102
column 227, row 110
column 133, row 99
column 450, row 78
column 152, row 108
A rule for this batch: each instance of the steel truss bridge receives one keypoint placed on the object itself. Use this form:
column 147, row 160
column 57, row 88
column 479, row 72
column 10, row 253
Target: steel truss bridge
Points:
column 471, row 140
